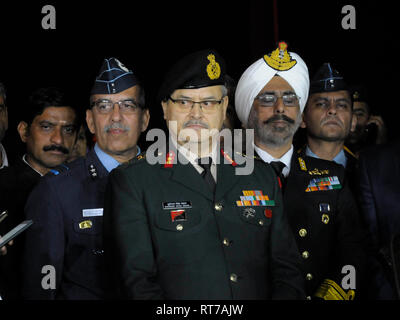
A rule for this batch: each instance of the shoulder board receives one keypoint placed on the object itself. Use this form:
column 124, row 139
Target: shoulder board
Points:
column 348, row 151
column 59, row 169
column 301, row 150
column 136, row 159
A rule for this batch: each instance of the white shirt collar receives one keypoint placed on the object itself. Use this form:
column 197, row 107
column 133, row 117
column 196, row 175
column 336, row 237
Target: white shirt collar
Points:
column 286, row 158
column 3, row 156
column 192, row 157
column 24, row 159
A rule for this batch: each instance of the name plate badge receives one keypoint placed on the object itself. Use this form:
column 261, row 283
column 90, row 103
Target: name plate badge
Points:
column 172, row 205
column 98, row 212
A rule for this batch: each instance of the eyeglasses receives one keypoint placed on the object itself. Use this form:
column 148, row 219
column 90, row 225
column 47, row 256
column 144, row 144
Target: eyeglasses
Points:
column 207, row 106
column 2, row 108
column 125, row 106
column 269, row 100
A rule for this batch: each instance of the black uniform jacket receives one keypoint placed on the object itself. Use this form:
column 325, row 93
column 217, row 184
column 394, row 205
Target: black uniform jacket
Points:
column 66, row 234
column 214, row 250
column 325, row 223
column 16, row 182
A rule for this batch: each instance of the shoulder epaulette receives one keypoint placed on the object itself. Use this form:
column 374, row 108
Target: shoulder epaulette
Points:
column 134, row 160
column 248, row 157
column 349, row 152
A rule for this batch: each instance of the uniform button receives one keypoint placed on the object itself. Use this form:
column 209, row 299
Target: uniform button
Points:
column 261, row 222
column 308, row 298
column 302, row 233
column 305, row 254
column 233, row 277
column 218, row 207
column 309, row 276
column 179, row 227
column 226, row 242
column 325, row 218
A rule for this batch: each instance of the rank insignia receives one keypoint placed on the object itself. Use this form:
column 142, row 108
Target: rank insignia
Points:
column 323, row 184
column 318, row 172
column 254, row 198
column 280, row 59
column 87, row 224
column 302, row 164
column 249, row 213
column 178, row 215
column 92, row 171
column 169, row 159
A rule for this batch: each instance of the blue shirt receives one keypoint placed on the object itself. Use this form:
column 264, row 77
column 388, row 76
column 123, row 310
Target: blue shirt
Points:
column 106, row 160
column 340, row 157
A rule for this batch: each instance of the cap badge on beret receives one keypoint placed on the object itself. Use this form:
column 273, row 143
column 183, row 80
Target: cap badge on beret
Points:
column 213, row 68
column 280, row 59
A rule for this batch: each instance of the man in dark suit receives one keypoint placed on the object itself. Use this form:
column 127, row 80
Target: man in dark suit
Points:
column 270, row 98
column 67, row 206
column 3, row 125
column 190, row 229
column 328, row 119
column 379, row 196
column 47, row 126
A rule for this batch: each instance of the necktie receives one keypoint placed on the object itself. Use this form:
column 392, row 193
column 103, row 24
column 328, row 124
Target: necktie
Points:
column 278, row 167
column 205, row 163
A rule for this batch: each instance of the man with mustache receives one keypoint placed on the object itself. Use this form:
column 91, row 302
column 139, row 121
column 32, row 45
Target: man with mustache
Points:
column 67, row 205
column 270, row 98
column 182, row 229
column 48, row 128
column 329, row 119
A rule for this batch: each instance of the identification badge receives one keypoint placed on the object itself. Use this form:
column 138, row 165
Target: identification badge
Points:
column 98, row 212
column 178, row 215
column 171, row 205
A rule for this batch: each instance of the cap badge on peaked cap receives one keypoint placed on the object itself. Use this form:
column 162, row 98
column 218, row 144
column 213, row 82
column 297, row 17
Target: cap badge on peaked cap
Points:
column 280, row 59
column 213, row 68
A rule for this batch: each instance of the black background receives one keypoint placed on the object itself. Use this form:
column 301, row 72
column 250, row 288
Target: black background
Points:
column 149, row 36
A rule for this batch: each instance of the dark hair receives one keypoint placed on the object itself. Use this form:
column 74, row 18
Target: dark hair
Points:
column 42, row 98
column 142, row 100
column 2, row 91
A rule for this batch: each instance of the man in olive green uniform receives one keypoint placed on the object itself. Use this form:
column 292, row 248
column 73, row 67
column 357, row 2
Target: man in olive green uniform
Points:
column 195, row 229
column 270, row 98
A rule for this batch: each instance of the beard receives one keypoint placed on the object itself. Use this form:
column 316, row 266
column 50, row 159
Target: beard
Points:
column 271, row 135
